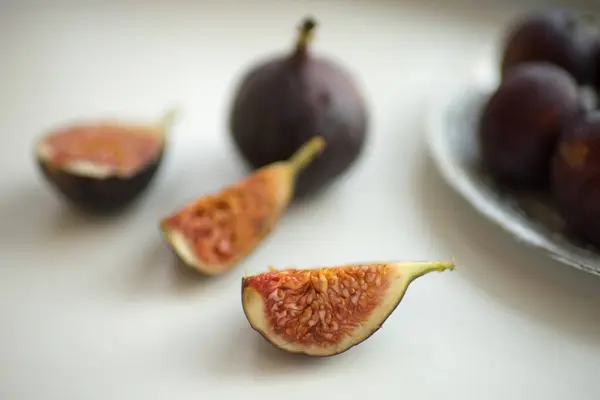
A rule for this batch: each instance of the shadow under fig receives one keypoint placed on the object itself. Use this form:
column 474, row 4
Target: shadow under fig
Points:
column 508, row 273
column 35, row 219
column 248, row 354
column 159, row 272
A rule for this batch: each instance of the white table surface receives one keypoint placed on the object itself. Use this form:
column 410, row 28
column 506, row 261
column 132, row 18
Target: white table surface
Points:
column 96, row 310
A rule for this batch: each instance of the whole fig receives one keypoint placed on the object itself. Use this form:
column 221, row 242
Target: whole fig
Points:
column 596, row 65
column 284, row 101
column 576, row 177
column 522, row 120
column 551, row 35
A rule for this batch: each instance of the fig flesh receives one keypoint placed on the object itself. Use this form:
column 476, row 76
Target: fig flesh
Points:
column 576, row 178
column 103, row 166
column 326, row 311
column 283, row 101
column 217, row 231
column 551, row 35
column 521, row 123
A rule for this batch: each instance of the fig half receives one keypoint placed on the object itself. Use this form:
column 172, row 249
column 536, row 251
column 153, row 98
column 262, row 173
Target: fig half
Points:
column 326, row 311
column 103, row 166
column 217, row 231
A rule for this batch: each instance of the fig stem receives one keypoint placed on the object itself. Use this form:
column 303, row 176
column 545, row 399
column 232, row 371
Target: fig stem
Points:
column 305, row 155
column 168, row 119
column 418, row 269
column 305, row 34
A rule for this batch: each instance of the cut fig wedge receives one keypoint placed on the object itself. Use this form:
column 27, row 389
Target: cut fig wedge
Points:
column 215, row 232
column 103, row 166
column 326, row 311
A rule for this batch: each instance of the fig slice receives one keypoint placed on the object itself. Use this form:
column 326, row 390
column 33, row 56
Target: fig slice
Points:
column 103, row 166
column 326, row 311
column 214, row 233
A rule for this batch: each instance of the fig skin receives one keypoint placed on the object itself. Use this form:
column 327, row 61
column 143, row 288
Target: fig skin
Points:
column 405, row 273
column 100, row 196
column 279, row 179
column 554, row 36
column 109, row 193
column 521, row 122
column 576, row 178
column 285, row 100
column 596, row 66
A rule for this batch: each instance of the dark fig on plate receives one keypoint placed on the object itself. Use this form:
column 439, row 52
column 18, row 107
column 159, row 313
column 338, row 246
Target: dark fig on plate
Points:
column 596, row 66
column 521, row 122
column 554, row 36
column 215, row 232
column 284, row 101
column 103, row 166
column 326, row 311
column 576, row 178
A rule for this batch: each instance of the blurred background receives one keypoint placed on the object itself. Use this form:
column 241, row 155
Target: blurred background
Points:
column 120, row 318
